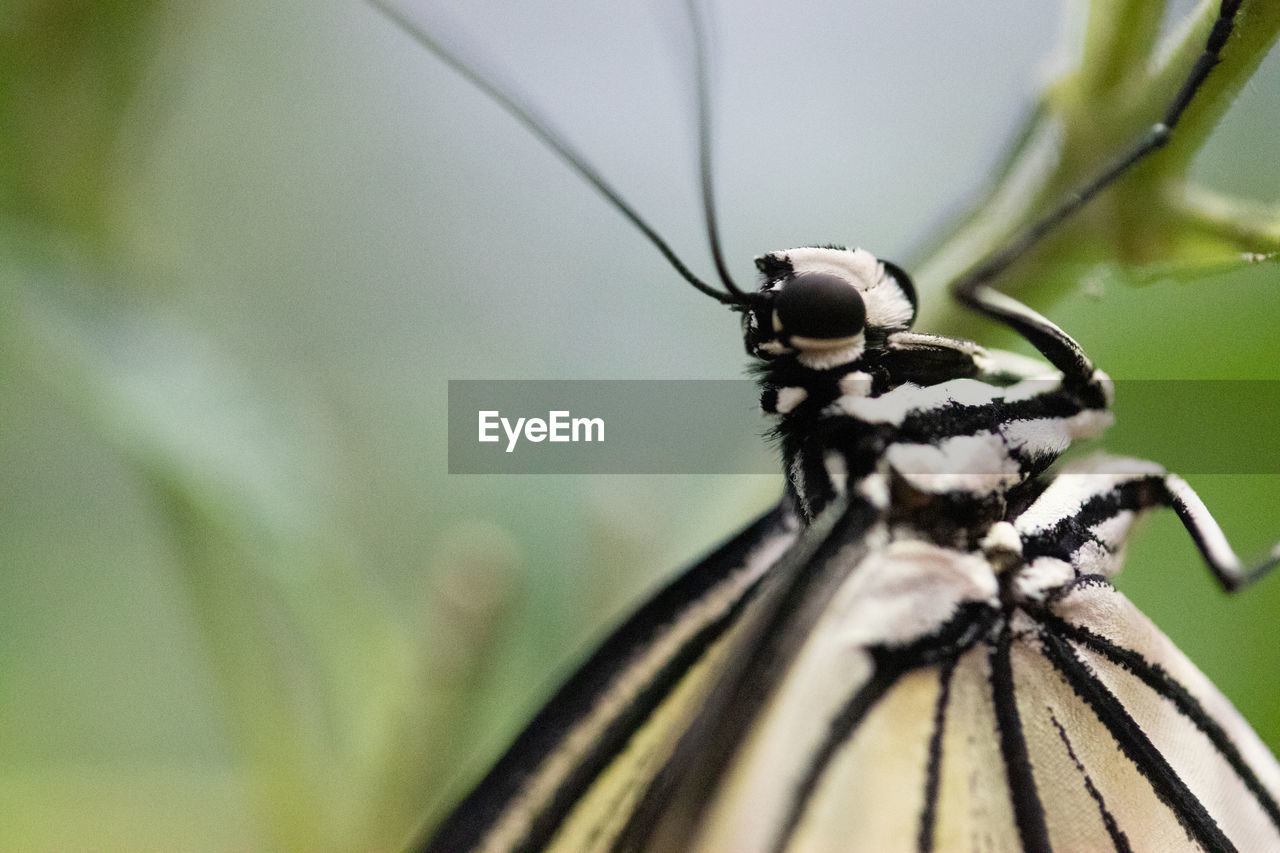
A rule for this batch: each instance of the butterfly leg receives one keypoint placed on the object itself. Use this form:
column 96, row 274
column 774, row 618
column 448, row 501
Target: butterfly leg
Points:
column 973, row 288
column 1231, row 573
column 1084, row 516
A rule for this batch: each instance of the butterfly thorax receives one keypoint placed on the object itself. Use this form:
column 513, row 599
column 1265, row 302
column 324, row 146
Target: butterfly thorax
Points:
column 940, row 434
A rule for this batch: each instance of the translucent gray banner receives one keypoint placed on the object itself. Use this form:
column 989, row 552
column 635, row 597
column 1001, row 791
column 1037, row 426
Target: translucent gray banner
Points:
column 607, row 427
column 715, row 426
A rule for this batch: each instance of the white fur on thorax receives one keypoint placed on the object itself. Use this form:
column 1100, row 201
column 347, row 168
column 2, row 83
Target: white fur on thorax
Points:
column 978, row 464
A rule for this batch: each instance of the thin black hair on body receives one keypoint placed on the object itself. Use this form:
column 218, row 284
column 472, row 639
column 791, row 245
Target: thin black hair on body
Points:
column 924, row 558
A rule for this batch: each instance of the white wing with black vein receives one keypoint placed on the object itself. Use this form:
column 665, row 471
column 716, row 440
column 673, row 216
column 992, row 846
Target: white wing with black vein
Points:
column 589, row 748
column 840, row 752
column 1078, row 727
column 1214, row 776
column 858, row 694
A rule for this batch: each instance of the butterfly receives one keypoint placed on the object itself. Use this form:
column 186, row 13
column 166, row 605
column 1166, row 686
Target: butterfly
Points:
column 920, row 645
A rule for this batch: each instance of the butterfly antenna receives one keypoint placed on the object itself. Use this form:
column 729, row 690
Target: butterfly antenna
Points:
column 543, row 130
column 702, row 76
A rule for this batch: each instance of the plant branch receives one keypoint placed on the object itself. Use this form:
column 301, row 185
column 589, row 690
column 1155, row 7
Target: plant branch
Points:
column 1085, row 120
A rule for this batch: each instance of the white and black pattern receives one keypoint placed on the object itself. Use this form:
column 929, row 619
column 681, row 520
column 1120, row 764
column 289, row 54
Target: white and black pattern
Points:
column 935, row 660
column 919, row 647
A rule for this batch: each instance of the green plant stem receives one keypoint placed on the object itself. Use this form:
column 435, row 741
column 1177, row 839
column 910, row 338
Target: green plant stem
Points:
column 1084, row 121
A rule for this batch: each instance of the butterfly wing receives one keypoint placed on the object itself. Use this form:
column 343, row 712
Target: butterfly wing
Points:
column 1166, row 754
column 837, row 747
column 922, row 712
column 574, row 765
column 834, row 690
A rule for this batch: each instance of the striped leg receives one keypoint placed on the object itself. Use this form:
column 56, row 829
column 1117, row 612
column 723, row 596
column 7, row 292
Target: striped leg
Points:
column 1231, row 573
column 1085, row 514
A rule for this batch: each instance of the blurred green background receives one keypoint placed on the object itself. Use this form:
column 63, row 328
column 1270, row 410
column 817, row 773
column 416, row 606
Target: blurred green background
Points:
column 243, row 247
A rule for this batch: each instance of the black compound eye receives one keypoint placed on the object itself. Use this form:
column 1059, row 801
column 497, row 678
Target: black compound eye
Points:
column 819, row 305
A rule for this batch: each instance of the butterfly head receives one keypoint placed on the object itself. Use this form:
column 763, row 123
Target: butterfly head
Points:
column 826, row 306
